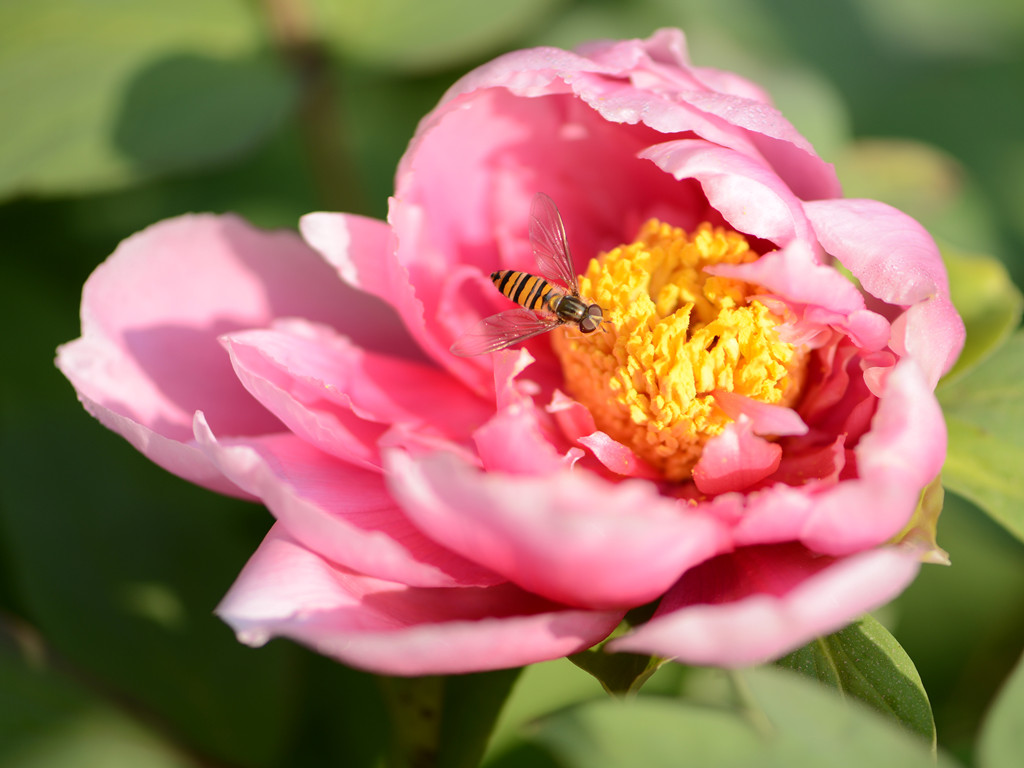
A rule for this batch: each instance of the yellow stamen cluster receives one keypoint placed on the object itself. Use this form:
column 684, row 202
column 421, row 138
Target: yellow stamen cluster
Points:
column 676, row 335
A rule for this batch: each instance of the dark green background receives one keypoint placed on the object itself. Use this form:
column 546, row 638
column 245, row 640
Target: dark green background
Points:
column 114, row 115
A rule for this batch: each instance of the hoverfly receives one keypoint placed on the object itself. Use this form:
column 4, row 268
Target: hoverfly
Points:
column 542, row 306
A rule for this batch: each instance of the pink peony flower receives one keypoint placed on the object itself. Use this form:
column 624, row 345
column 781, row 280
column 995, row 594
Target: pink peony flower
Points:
column 743, row 444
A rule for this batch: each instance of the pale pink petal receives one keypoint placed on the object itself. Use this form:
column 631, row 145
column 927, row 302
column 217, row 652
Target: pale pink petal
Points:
column 616, row 457
column 517, row 440
column 577, row 426
column 340, row 511
column 895, row 259
column 735, row 460
column 381, row 626
column 149, row 355
column 795, row 274
column 571, row 537
column 342, row 398
column 745, row 191
column 765, row 418
column 932, row 333
column 362, row 250
column 757, row 604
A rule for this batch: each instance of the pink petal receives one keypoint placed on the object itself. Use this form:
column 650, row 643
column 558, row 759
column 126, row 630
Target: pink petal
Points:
column 757, row 604
column 285, row 590
column 342, row 398
column 902, row 452
column 795, row 274
column 337, row 510
column 735, row 460
column 900, row 455
column 765, row 418
column 362, row 250
column 745, row 191
column 616, row 457
column 895, row 259
column 516, row 440
column 148, row 357
column 571, row 537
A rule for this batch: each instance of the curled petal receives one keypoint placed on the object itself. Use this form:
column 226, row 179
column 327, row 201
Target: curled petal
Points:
column 735, row 460
column 287, row 591
column 744, row 190
column 759, row 603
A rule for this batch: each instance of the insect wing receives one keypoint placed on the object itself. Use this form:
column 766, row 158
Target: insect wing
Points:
column 503, row 330
column 550, row 247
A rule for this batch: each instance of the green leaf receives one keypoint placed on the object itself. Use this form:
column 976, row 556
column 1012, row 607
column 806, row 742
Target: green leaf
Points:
column 782, row 720
column 812, row 726
column 1001, row 744
column 647, row 731
column 865, row 662
column 985, row 419
column 48, row 720
column 988, row 301
column 100, row 94
column 413, row 35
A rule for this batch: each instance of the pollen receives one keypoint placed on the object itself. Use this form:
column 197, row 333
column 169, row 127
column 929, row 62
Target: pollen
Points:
column 676, row 335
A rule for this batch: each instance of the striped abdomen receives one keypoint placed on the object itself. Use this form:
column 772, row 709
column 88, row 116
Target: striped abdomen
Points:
column 527, row 290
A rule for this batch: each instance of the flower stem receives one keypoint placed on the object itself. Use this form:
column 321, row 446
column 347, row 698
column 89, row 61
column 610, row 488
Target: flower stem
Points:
column 415, row 704
column 319, row 113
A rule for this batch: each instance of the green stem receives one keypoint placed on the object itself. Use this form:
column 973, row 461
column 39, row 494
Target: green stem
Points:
column 415, row 705
column 319, row 113
column 749, row 707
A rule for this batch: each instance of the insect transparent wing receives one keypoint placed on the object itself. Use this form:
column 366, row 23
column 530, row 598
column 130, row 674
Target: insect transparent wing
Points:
column 550, row 247
column 503, row 330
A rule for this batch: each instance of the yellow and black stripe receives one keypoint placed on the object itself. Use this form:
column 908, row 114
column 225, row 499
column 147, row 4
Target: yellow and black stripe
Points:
column 526, row 290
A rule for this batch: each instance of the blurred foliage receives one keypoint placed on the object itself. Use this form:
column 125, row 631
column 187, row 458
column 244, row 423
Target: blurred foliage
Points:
column 117, row 113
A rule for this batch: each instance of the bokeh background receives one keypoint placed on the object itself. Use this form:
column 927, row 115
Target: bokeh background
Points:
column 115, row 114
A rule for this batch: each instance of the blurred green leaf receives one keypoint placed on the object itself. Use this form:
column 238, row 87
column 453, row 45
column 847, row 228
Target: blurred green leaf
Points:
column 119, row 566
column 48, row 721
column 865, row 662
column 985, row 418
column 647, row 731
column 783, row 720
column 99, row 94
column 987, row 300
column 1002, row 738
column 540, row 690
column 414, row 35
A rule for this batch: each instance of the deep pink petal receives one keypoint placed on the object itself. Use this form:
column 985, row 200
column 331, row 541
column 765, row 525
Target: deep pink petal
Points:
column 902, row 452
column 571, row 537
column 286, row 590
column 735, row 460
column 759, row 603
column 342, row 512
